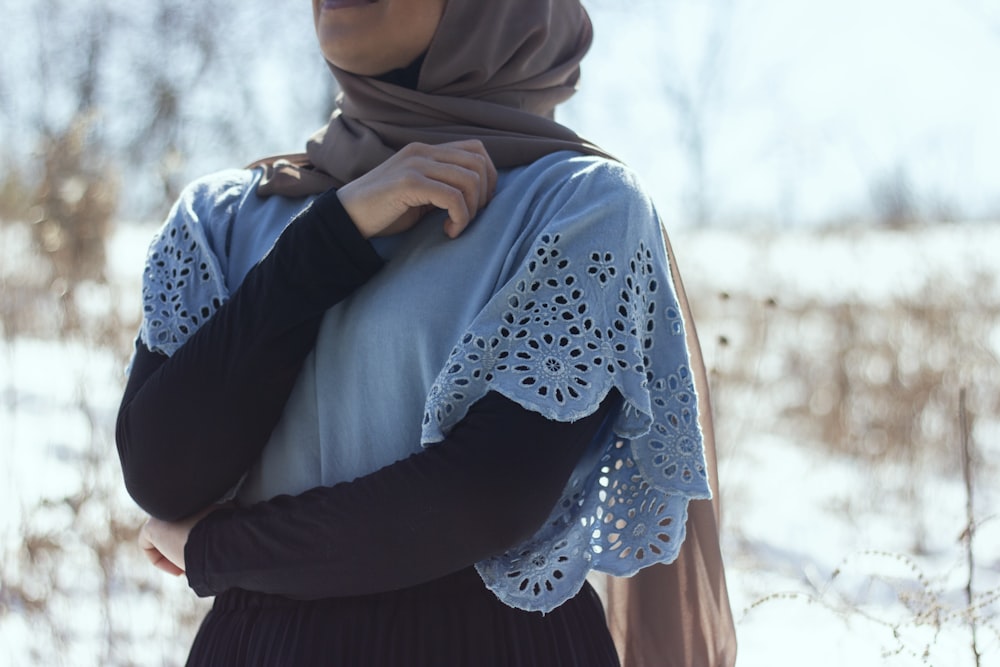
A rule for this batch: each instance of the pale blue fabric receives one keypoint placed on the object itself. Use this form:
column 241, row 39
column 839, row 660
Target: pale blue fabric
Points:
column 557, row 292
column 183, row 282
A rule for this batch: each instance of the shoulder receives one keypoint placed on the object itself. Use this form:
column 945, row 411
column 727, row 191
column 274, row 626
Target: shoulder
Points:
column 576, row 171
column 581, row 195
column 575, row 182
column 220, row 184
column 215, row 195
column 204, row 210
column 183, row 280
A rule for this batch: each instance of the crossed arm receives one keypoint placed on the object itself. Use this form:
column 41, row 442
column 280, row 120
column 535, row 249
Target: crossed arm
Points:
column 191, row 424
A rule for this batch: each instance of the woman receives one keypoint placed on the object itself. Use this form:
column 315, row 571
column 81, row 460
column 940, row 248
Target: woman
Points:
column 430, row 437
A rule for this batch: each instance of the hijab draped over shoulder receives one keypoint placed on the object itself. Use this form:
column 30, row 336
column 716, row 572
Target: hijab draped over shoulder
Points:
column 495, row 71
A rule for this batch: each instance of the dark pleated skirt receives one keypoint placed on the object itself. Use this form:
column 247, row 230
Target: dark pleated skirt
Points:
column 453, row 621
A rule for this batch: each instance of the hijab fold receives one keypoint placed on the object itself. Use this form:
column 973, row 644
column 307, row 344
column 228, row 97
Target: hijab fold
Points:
column 495, row 71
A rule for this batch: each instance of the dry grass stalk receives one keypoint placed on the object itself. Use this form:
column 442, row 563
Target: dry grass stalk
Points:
column 970, row 517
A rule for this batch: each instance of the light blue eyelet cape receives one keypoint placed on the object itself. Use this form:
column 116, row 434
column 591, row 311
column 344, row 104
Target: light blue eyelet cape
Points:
column 558, row 291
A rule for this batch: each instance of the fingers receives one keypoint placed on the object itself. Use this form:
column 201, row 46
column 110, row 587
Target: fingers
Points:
column 459, row 168
column 153, row 554
column 458, row 177
column 456, row 189
column 163, row 563
column 472, row 155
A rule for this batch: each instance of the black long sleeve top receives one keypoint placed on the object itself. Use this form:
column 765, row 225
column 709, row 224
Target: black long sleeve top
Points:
column 190, row 425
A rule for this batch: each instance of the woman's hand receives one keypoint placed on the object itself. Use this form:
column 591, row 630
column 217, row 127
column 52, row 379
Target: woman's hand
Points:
column 163, row 541
column 458, row 177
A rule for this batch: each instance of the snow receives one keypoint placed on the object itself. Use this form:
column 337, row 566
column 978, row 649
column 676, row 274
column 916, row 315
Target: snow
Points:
column 871, row 266
column 830, row 561
column 823, row 573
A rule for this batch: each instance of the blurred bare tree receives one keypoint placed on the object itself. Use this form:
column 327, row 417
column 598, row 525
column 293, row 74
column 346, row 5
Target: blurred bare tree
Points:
column 697, row 97
column 691, row 66
column 107, row 109
column 76, row 201
column 166, row 90
column 893, row 199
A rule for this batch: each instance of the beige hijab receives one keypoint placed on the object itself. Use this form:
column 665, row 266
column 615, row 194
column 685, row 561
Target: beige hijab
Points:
column 495, row 71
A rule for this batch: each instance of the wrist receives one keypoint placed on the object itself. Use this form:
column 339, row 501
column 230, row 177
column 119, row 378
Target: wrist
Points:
column 197, row 546
column 350, row 205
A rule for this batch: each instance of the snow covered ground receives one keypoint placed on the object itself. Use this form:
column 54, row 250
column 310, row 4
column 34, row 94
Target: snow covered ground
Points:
column 831, row 561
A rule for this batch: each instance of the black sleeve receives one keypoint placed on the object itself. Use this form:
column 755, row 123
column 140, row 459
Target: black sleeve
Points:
column 190, row 425
column 489, row 485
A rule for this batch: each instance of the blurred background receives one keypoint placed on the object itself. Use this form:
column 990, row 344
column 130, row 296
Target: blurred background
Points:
column 830, row 174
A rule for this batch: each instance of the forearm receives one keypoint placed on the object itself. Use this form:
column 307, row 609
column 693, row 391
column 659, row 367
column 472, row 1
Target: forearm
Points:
column 489, row 485
column 191, row 424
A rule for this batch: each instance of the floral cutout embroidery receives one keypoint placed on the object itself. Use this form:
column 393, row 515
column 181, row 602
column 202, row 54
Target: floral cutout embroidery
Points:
column 602, row 267
column 557, row 340
column 181, row 286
